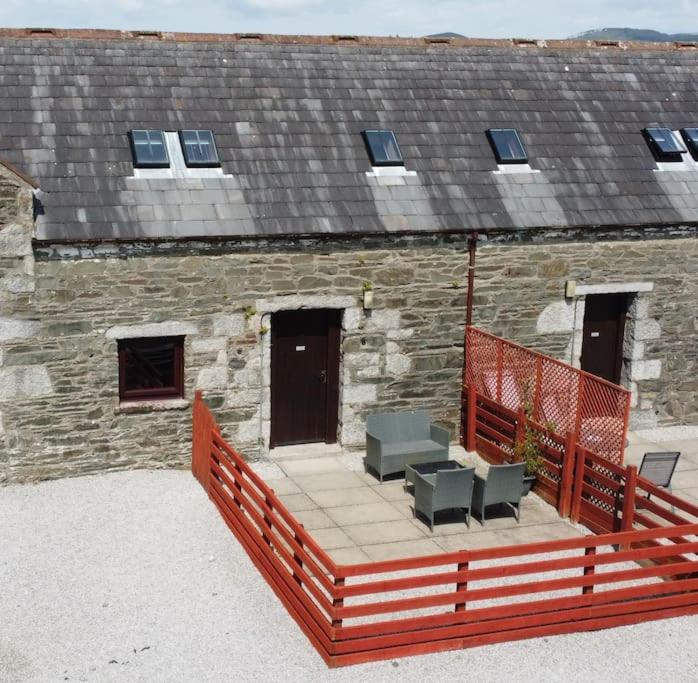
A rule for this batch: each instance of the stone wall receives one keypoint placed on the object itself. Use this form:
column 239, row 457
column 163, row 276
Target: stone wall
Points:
column 60, row 405
column 66, row 418
column 520, row 294
column 17, row 312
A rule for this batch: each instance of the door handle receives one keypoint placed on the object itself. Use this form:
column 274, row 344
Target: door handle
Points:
column 323, row 376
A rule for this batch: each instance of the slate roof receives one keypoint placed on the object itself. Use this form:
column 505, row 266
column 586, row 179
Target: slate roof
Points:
column 287, row 114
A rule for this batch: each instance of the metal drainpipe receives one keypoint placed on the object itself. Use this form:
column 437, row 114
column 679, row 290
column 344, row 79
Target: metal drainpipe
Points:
column 263, row 450
column 472, row 247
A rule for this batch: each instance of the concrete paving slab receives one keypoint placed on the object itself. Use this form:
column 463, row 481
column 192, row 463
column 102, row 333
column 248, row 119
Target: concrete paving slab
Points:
column 296, row 502
column 368, row 513
column 383, row 532
column 284, row 486
column 685, row 479
column 399, row 549
column 352, row 555
column 690, row 495
column 394, row 490
column 341, row 497
column 304, row 450
column 368, row 478
column 312, row 466
column 331, row 538
column 313, row 519
column 405, row 507
column 330, row 480
column 664, row 434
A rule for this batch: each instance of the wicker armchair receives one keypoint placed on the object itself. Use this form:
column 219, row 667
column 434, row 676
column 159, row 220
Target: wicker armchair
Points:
column 445, row 490
column 504, row 485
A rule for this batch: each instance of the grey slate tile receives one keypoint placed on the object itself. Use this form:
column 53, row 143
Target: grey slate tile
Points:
column 288, row 130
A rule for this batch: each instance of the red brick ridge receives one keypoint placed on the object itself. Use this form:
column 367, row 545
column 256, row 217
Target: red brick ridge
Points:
column 346, row 40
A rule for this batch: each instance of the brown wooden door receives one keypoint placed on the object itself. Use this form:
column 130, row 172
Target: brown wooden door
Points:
column 604, row 327
column 304, row 376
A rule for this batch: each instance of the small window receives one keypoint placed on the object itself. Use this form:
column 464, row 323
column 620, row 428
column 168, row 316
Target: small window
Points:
column 690, row 136
column 507, row 146
column 151, row 368
column 199, row 148
column 149, row 149
column 664, row 144
column 382, row 148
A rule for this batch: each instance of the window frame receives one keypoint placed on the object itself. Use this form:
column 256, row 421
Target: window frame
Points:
column 148, row 164
column 691, row 141
column 493, row 144
column 365, row 134
column 657, row 152
column 192, row 163
column 156, row 393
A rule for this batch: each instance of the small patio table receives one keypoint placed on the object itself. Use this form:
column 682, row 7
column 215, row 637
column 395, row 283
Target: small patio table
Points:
column 426, row 468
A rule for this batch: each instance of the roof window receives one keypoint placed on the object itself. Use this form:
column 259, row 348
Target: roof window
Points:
column 664, row 144
column 690, row 136
column 149, row 149
column 199, row 148
column 507, row 146
column 382, row 148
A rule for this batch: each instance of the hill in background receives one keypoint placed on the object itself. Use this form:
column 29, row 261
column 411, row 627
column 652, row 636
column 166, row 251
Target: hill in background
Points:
column 635, row 34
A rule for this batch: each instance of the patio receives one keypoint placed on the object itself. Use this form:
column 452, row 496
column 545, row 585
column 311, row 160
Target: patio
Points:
column 357, row 519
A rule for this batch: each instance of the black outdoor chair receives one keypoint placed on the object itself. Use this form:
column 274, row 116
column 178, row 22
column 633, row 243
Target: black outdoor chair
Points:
column 659, row 468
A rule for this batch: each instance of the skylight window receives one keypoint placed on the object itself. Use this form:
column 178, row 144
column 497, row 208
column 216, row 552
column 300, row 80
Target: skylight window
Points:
column 149, row 149
column 382, row 148
column 690, row 136
column 664, row 144
column 199, row 148
column 507, row 146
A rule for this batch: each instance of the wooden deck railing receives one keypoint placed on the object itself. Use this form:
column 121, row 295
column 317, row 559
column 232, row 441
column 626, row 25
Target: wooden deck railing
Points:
column 381, row 610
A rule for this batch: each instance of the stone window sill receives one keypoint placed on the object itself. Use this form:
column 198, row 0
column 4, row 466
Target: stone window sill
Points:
column 138, row 407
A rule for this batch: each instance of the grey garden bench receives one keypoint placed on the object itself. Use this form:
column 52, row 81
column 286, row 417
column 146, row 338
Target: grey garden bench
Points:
column 394, row 440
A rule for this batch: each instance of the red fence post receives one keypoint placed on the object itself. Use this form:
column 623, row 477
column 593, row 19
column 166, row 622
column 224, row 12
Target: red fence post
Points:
column 267, row 519
column 629, row 501
column 462, row 585
column 202, row 428
column 568, row 463
column 589, row 570
column 520, row 426
column 470, row 443
column 337, row 602
column 500, row 369
column 537, row 390
column 296, row 557
column 577, row 486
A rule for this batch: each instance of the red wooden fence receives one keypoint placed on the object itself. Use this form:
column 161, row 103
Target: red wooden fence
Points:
column 381, row 610
column 553, row 393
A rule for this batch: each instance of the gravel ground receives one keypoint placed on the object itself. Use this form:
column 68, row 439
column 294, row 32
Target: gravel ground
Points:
column 134, row 577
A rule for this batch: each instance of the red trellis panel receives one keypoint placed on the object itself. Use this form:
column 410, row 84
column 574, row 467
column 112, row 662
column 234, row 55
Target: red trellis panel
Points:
column 556, row 395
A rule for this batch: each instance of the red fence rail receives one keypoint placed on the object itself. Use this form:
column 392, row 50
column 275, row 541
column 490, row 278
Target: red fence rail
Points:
column 381, row 610
column 551, row 392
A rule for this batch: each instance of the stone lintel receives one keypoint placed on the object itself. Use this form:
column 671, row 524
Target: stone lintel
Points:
column 614, row 288
column 164, row 329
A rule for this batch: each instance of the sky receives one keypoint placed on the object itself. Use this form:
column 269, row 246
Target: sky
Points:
column 475, row 18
